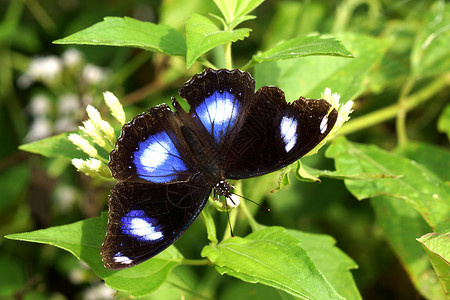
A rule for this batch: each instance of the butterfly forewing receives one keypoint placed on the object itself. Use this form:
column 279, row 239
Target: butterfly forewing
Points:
column 150, row 149
column 219, row 101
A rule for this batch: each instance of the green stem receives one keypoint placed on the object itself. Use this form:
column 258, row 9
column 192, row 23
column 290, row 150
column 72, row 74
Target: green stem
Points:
column 251, row 220
column 195, row 262
column 391, row 111
column 400, row 122
column 227, row 53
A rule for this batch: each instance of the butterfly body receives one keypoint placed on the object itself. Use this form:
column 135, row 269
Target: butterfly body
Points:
column 167, row 162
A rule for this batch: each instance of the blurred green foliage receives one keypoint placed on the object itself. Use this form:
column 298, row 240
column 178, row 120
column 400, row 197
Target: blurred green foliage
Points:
column 398, row 79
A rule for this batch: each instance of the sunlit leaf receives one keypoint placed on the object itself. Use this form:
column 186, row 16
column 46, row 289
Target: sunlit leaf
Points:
column 300, row 47
column 417, row 186
column 277, row 258
column 129, row 32
column 437, row 248
column 203, row 35
column 84, row 239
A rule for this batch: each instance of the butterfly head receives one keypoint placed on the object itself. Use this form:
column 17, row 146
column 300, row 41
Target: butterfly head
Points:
column 223, row 188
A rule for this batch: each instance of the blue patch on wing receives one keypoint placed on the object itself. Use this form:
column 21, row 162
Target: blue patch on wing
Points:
column 218, row 113
column 137, row 224
column 157, row 159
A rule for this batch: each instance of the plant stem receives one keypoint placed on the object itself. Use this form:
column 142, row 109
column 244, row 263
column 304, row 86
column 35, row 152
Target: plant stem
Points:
column 391, row 111
column 252, row 222
column 400, row 122
column 195, row 262
column 227, row 53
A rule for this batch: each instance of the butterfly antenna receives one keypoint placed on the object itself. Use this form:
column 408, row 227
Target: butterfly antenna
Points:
column 250, row 200
column 228, row 218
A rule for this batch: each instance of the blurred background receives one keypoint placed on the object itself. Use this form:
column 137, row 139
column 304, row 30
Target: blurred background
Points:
column 44, row 90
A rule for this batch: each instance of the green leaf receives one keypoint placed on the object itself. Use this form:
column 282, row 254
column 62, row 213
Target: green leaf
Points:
column 129, row 32
column 303, row 175
column 84, row 238
column 55, row 146
column 315, row 173
column 434, row 158
column 330, row 260
column 210, row 225
column 444, row 121
column 417, row 186
column 271, row 256
column 203, row 35
column 300, row 47
column 437, row 248
column 309, row 76
column 401, row 225
column 236, row 9
column 430, row 51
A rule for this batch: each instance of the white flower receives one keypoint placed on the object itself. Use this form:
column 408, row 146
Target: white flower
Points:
column 68, row 104
column 39, row 129
column 115, row 106
column 47, row 68
column 39, row 105
column 83, row 144
column 72, row 57
column 65, row 124
column 99, row 291
column 343, row 110
column 91, row 167
column 93, row 74
column 92, row 131
column 103, row 128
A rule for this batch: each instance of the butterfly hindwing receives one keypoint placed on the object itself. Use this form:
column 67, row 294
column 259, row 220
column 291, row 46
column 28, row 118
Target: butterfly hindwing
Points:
column 144, row 219
column 276, row 133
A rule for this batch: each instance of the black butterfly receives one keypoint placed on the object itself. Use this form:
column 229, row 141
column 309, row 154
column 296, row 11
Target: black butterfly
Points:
column 168, row 163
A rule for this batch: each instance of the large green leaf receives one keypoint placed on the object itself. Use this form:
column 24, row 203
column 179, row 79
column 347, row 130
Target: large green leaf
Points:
column 417, row 186
column 129, row 32
column 330, row 260
column 431, row 51
column 84, row 238
column 276, row 257
column 55, row 146
column 302, row 46
column 309, row 76
column 402, row 225
column 203, row 35
column 437, row 248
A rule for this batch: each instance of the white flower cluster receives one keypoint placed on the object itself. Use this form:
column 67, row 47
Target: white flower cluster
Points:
column 101, row 133
column 344, row 111
column 50, row 70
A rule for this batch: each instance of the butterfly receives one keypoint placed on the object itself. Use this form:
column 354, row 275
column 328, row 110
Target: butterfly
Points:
column 168, row 162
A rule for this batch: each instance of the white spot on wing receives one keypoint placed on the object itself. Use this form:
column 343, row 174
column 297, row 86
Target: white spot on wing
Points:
column 138, row 225
column 288, row 128
column 119, row 258
column 154, row 156
column 144, row 229
column 323, row 125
